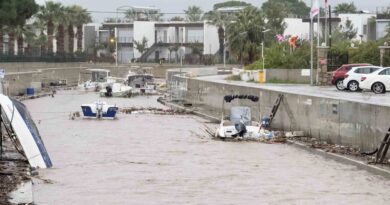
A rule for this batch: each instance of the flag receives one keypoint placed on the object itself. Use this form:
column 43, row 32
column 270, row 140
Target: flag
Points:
column 315, row 9
column 280, row 38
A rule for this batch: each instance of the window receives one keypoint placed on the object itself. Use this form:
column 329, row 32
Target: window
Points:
column 359, row 70
column 373, row 70
column 385, row 72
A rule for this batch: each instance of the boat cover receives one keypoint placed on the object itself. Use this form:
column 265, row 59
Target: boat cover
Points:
column 230, row 98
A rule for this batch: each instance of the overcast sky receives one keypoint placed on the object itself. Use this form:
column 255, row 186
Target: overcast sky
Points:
column 177, row 6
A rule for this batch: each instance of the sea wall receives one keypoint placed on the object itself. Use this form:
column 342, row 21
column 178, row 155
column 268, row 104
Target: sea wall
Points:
column 336, row 121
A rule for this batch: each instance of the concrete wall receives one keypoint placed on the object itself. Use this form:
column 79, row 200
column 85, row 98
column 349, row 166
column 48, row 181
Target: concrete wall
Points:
column 337, row 121
column 288, row 75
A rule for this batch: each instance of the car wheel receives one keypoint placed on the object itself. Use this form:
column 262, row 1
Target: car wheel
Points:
column 378, row 88
column 353, row 86
column 339, row 84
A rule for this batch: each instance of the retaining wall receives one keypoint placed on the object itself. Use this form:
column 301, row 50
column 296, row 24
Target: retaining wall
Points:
column 337, row 121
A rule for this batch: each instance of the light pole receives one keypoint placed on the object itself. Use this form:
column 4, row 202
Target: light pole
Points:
column 262, row 51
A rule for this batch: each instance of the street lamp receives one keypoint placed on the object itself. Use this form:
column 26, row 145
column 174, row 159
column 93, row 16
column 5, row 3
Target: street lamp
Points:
column 262, row 51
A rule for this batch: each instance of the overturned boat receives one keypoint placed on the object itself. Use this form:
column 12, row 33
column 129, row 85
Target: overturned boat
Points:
column 239, row 123
column 99, row 110
column 116, row 90
column 19, row 126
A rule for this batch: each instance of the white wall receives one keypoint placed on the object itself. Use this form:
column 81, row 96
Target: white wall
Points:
column 358, row 21
column 125, row 35
column 195, row 35
column 143, row 29
column 210, row 42
column 381, row 26
column 295, row 27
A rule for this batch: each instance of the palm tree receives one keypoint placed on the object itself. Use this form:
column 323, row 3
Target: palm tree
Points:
column 22, row 32
column 219, row 20
column 245, row 34
column 11, row 41
column 130, row 15
column 193, row 13
column 345, row 8
column 81, row 17
column 142, row 45
column 48, row 14
column 41, row 39
column 71, row 13
column 60, row 21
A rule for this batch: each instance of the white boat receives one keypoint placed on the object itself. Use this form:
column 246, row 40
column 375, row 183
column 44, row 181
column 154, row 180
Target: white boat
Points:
column 99, row 78
column 18, row 123
column 141, row 83
column 116, row 90
column 239, row 123
column 99, row 110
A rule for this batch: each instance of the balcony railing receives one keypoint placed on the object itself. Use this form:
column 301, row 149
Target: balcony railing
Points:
column 125, row 39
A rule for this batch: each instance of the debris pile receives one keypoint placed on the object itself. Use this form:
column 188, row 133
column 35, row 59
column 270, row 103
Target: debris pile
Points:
column 152, row 110
column 13, row 170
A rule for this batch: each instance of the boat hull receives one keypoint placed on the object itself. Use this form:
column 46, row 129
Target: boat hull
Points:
column 16, row 115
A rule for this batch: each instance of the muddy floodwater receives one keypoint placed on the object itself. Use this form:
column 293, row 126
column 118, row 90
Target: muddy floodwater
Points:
column 161, row 159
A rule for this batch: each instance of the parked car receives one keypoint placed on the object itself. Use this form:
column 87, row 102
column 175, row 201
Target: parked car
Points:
column 378, row 81
column 352, row 78
column 339, row 75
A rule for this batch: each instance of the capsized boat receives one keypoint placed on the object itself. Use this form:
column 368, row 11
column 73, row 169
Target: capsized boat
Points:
column 239, row 123
column 99, row 110
column 18, row 123
column 116, row 90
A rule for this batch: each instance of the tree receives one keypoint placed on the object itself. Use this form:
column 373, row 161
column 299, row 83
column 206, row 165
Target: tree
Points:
column 193, row 13
column 348, row 8
column 230, row 4
column 80, row 17
column 275, row 12
column 130, row 15
column 48, row 14
column 14, row 13
column 219, row 20
column 245, row 34
column 21, row 32
column 292, row 7
column 142, row 45
column 177, row 18
column 61, row 19
column 344, row 32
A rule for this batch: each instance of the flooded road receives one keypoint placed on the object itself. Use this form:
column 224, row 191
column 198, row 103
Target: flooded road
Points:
column 154, row 159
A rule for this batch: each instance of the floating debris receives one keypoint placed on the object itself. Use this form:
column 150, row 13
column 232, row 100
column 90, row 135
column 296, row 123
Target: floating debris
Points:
column 152, row 110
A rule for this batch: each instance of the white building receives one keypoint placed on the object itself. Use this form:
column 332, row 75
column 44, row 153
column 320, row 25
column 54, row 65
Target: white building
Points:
column 360, row 22
column 161, row 37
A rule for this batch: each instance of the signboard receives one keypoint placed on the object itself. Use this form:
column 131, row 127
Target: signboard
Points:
column 2, row 73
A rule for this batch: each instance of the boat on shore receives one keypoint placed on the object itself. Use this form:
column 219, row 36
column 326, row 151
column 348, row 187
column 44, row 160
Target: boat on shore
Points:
column 19, row 126
column 99, row 110
column 142, row 83
column 97, row 79
column 116, row 90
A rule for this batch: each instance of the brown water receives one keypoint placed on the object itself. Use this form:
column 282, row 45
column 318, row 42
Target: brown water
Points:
column 150, row 159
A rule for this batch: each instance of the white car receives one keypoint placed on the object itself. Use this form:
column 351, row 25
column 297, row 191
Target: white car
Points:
column 378, row 81
column 352, row 78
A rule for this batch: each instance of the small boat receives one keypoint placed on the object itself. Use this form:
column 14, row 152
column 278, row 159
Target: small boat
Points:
column 239, row 123
column 116, row 90
column 141, row 83
column 99, row 110
column 17, row 122
column 99, row 78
